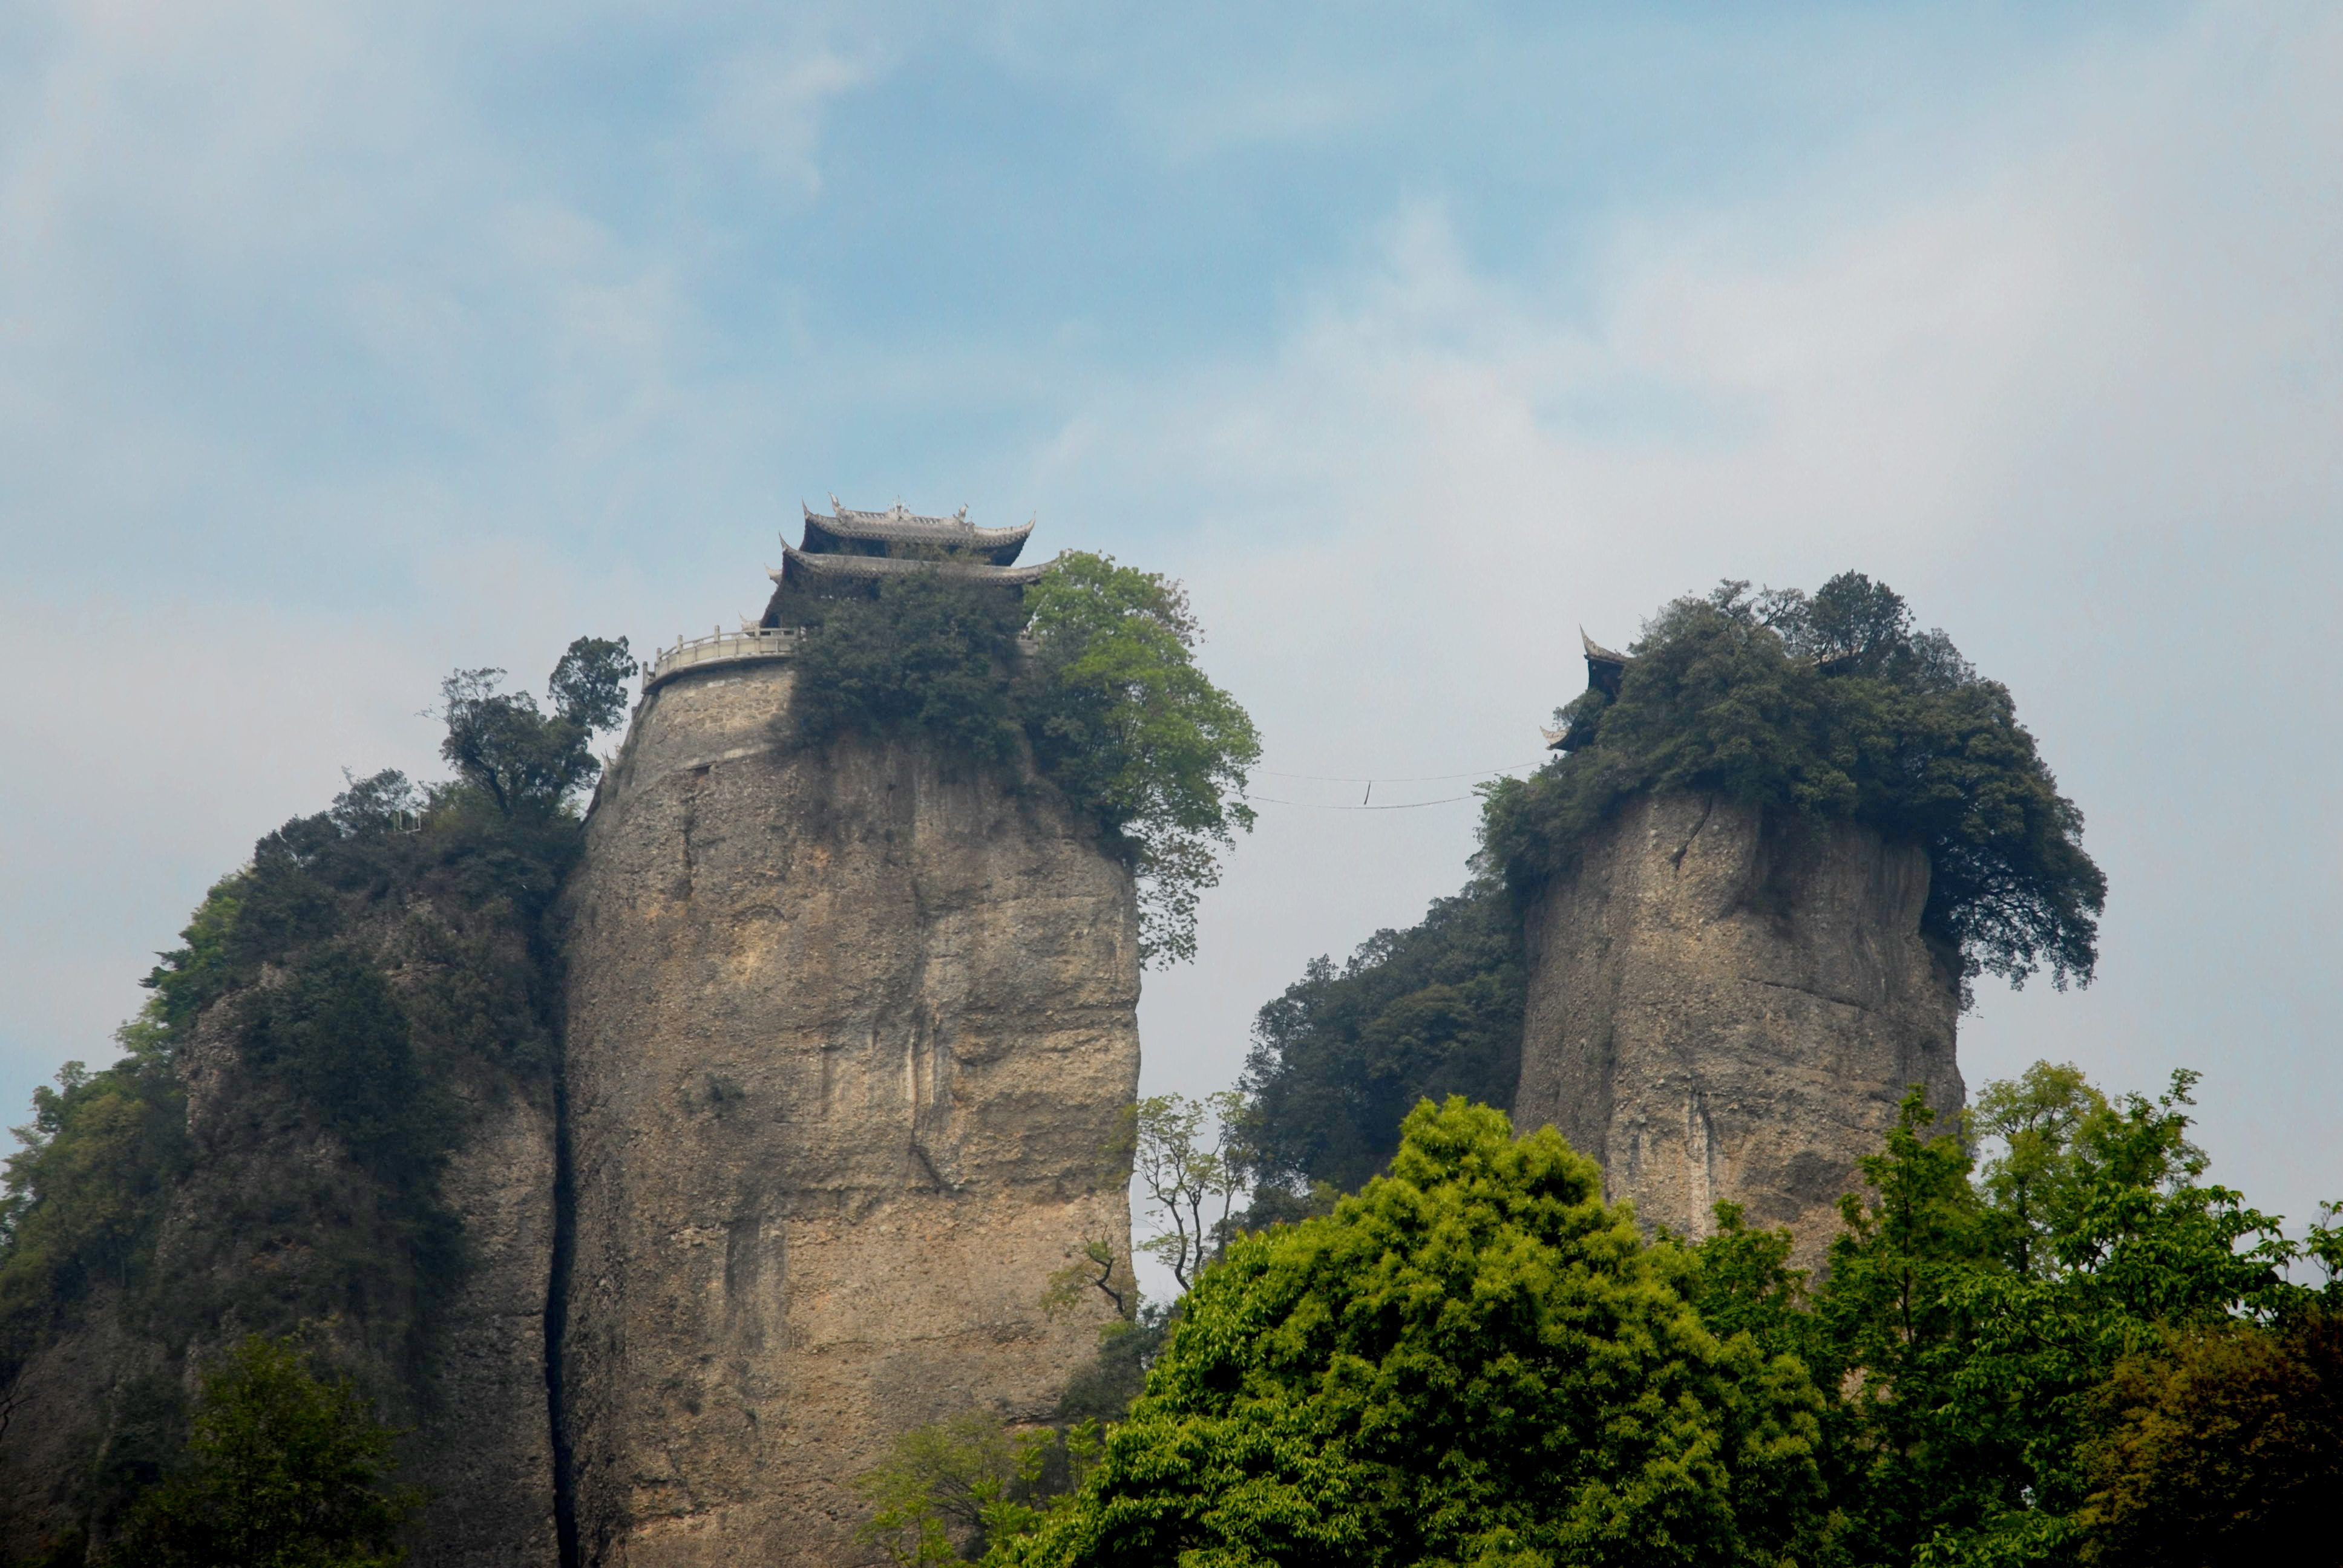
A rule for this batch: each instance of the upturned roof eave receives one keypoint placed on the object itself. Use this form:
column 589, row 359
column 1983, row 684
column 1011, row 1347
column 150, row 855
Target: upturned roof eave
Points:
column 809, row 564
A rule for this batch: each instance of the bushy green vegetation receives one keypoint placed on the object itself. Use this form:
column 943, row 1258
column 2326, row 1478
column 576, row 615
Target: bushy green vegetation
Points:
column 1340, row 1058
column 284, row 1470
column 2076, row 1354
column 1834, row 704
column 1110, row 703
column 524, row 759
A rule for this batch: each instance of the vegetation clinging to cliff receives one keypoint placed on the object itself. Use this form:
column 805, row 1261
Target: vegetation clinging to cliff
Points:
column 1344, row 1053
column 1123, row 722
column 1835, row 705
column 367, row 961
column 1110, row 701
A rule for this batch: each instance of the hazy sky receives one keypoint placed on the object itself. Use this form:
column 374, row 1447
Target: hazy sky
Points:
column 341, row 344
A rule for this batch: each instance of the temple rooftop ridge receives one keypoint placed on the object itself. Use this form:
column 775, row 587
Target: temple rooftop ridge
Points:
column 840, row 528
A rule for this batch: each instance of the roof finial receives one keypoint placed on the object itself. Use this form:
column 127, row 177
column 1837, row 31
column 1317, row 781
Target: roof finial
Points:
column 837, row 506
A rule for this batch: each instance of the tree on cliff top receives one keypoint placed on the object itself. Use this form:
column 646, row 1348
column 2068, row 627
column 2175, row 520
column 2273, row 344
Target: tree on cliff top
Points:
column 1475, row 1361
column 1831, row 704
column 525, row 759
column 1110, row 700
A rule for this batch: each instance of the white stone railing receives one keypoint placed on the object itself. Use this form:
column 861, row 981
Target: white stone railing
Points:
column 748, row 646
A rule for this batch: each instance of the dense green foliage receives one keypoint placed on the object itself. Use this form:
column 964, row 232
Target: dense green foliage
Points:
column 1125, row 722
column 2077, row 1354
column 1475, row 1361
column 85, row 1192
column 1832, row 705
column 2220, row 1444
column 1110, row 703
column 923, row 654
column 284, row 1471
column 1342, row 1056
column 1984, row 1328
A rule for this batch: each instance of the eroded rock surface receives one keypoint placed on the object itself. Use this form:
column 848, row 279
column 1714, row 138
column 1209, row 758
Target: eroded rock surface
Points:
column 1729, row 1004
column 851, row 1033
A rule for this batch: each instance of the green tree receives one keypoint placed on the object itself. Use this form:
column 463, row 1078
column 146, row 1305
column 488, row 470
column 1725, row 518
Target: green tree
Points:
column 1974, row 1326
column 286, row 1471
column 1192, row 1164
column 1475, row 1361
column 1125, row 722
column 919, row 654
column 525, row 759
column 1108, row 700
column 2224, row 1444
column 1835, row 706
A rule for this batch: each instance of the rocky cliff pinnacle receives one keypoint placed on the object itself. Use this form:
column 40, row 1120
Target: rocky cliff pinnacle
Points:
column 1726, row 1003
column 851, row 1035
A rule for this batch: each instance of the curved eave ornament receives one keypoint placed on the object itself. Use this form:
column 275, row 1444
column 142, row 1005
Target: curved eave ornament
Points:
column 1604, row 669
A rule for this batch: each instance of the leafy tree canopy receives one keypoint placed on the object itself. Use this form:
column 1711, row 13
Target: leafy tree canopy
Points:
column 1110, row 701
column 1832, row 704
column 286, row 1471
column 1475, row 1361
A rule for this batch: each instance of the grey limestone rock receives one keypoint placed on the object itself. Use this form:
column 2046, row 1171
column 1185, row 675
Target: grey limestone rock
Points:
column 1728, row 1004
column 851, row 1035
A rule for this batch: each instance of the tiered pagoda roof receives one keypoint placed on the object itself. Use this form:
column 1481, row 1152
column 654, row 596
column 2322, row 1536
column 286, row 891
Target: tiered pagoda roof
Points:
column 843, row 547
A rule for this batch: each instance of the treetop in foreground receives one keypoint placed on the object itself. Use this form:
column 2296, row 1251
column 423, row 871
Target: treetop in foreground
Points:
column 1474, row 1360
column 1835, row 705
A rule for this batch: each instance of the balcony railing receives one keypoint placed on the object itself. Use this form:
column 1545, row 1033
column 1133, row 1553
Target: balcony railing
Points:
column 751, row 645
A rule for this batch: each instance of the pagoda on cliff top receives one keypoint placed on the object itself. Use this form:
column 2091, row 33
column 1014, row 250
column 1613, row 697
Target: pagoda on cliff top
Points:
column 847, row 553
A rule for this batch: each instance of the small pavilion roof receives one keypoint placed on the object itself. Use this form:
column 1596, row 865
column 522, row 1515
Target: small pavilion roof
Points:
column 838, row 530
column 810, row 566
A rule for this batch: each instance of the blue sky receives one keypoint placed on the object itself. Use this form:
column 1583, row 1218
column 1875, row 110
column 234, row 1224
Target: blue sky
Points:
column 341, row 345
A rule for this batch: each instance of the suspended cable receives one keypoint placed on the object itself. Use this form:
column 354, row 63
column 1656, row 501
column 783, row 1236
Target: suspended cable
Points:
column 1380, row 779
column 1321, row 805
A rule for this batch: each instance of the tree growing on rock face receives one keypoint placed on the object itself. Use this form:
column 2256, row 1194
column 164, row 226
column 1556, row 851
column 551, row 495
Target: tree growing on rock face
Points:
column 287, row 1471
column 1475, row 1361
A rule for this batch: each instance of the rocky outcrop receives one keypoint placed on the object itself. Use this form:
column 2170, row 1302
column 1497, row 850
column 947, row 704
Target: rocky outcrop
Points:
column 275, row 1227
column 851, row 1040
column 1726, row 1003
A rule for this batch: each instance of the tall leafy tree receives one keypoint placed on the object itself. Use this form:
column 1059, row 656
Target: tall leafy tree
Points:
column 1343, row 1055
column 1475, row 1361
column 1124, row 721
column 524, row 759
column 1974, row 1326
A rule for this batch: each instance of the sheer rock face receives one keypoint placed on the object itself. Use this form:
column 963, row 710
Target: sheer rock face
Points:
column 1728, row 1003
column 851, row 1035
